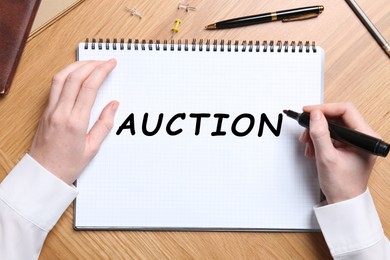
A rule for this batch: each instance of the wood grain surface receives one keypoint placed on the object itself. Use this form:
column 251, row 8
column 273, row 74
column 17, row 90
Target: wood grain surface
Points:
column 356, row 70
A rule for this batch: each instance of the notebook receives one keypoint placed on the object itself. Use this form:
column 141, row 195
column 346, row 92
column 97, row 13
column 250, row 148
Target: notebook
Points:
column 16, row 19
column 199, row 140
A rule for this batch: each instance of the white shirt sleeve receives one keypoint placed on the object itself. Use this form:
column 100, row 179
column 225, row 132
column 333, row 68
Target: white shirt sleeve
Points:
column 352, row 229
column 31, row 202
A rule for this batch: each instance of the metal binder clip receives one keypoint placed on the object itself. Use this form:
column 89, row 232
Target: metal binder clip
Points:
column 134, row 11
column 186, row 7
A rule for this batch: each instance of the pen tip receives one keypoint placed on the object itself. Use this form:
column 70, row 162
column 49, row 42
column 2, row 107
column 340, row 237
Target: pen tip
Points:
column 211, row 26
column 285, row 111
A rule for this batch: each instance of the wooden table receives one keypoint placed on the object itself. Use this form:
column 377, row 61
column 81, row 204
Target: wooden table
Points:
column 356, row 70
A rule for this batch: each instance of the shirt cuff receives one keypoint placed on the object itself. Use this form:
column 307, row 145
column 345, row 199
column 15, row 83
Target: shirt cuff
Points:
column 36, row 194
column 350, row 225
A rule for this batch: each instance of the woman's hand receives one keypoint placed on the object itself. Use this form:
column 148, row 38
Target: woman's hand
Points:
column 343, row 170
column 62, row 144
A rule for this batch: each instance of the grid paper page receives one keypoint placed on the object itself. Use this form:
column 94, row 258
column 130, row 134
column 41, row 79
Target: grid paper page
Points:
column 188, row 181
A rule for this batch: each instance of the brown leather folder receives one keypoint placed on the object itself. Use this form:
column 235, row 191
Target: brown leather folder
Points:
column 16, row 18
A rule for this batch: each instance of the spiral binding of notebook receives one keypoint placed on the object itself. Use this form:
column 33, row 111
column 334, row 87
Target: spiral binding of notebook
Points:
column 207, row 45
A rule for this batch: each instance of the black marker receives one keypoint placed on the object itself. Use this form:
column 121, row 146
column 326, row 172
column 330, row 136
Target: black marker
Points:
column 368, row 143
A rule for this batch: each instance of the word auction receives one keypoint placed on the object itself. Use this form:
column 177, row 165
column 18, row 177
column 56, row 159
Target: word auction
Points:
column 129, row 124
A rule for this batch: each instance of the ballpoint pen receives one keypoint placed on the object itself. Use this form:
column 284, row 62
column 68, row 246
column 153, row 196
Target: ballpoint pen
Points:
column 285, row 16
column 348, row 136
column 369, row 25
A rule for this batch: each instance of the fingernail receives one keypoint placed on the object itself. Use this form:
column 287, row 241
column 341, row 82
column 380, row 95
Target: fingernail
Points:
column 315, row 115
column 111, row 61
column 115, row 106
column 306, row 151
column 301, row 137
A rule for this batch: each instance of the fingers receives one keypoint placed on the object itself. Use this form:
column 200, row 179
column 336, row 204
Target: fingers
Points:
column 89, row 89
column 349, row 114
column 320, row 136
column 58, row 82
column 78, row 83
column 75, row 80
column 102, row 127
column 309, row 148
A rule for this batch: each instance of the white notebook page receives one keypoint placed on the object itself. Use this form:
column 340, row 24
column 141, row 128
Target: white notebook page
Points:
column 190, row 181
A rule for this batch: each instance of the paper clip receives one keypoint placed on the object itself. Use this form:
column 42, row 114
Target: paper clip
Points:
column 134, row 11
column 175, row 28
column 186, row 7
